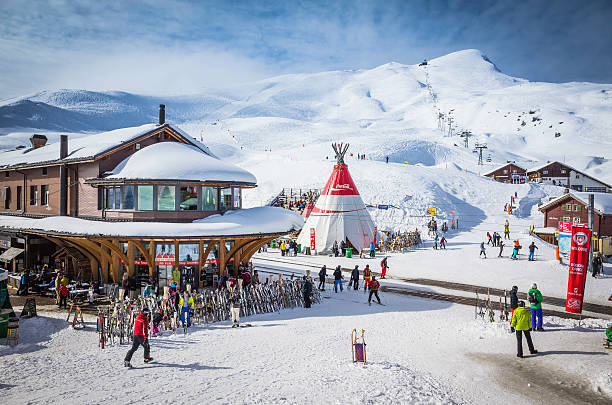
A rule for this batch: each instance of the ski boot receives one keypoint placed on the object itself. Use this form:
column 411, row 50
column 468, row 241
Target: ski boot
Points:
column 127, row 364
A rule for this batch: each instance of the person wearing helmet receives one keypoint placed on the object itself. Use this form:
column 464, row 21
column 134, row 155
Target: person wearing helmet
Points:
column 521, row 322
column 535, row 302
column 141, row 333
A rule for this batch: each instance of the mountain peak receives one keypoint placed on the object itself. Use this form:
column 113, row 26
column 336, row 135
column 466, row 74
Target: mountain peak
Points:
column 466, row 57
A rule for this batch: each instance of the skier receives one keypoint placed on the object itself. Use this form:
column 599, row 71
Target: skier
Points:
column 490, row 239
column 387, row 159
column 366, row 277
column 384, row 266
column 501, row 248
column 307, row 292
column 521, row 322
column 513, row 303
column 355, row 278
column 235, row 309
column 515, row 250
column 372, row 249
column 338, row 279
column 435, row 246
column 535, row 302
column 442, row 243
column 532, row 249
column 322, row 274
column 141, row 332
column 507, row 229
column 374, row 284
column 186, row 305
column 482, row 250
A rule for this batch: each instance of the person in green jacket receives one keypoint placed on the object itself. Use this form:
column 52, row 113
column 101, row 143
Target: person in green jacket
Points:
column 535, row 302
column 609, row 332
column 521, row 322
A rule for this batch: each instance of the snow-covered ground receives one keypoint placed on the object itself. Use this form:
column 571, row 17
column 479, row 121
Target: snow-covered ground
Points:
column 419, row 351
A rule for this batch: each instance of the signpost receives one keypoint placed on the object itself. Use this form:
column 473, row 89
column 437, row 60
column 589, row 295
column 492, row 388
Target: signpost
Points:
column 579, row 258
column 383, row 207
column 431, row 211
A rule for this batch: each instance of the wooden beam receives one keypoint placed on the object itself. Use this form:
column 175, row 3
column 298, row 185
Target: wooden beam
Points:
column 146, row 253
column 221, row 257
column 130, row 255
column 112, row 245
column 201, row 262
column 152, row 256
column 250, row 250
column 237, row 245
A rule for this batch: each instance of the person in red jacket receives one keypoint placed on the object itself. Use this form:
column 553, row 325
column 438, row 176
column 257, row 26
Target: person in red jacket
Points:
column 63, row 296
column 141, row 332
column 374, row 284
column 384, row 266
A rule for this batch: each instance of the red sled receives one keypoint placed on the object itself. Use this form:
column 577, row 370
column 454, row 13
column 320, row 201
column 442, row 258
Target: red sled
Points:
column 359, row 347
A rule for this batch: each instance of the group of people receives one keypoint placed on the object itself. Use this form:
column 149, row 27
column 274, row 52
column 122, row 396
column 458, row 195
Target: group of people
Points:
column 495, row 240
column 524, row 321
column 442, row 242
column 288, row 248
column 369, row 280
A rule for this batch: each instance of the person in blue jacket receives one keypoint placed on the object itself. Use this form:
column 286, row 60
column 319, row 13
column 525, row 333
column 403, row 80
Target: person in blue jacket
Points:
column 372, row 249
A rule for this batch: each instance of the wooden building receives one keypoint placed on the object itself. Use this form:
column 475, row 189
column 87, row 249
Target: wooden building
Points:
column 508, row 173
column 561, row 174
column 573, row 207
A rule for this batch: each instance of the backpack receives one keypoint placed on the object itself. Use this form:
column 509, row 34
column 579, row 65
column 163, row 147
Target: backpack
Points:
column 532, row 298
column 246, row 277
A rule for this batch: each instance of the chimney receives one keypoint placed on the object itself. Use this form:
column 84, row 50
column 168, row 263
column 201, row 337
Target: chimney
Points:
column 63, row 146
column 162, row 114
column 63, row 205
column 38, row 141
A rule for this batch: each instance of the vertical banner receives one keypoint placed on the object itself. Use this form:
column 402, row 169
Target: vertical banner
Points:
column 375, row 233
column 579, row 258
column 312, row 239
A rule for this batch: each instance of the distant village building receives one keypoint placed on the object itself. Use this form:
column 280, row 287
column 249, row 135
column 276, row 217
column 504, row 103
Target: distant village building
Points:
column 560, row 174
column 141, row 200
column 509, row 173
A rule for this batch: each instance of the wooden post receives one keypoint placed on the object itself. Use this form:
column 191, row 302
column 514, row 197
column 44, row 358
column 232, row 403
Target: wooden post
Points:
column 130, row 255
column 201, row 262
column 221, row 257
column 152, row 256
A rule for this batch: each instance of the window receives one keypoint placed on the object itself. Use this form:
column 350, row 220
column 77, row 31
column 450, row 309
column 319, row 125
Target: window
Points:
column 237, row 197
column 6, row 196
column 165, row 198
column 544, row 171
column 110, row 198
column 226, row 199
column 44, row 171
column 513, row 170
column 44, row 194
column 209, row 198
column 188, row 198
column 117, row 198
column 145, row 198
column 577, row 176
column 19, row 197
column 563, row 171
column 577, row 207
column 576, row 220
column 33, row 195
column 128, row 197
column 505, row 171
column 567, row 219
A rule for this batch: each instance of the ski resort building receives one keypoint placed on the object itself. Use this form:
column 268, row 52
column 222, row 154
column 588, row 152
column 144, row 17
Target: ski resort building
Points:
column 148, row 200
column 509, row 173
column 560, row 174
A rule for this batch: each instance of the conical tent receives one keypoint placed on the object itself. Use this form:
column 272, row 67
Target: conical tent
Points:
column 339, row 213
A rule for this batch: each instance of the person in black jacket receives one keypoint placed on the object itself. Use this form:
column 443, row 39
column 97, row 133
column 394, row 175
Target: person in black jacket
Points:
column 513, row 302
column 338, row 279
column 355, row 278
column 307, row 290
column 322, row 274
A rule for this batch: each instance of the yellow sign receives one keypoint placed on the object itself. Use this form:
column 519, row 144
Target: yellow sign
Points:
column 431, row 211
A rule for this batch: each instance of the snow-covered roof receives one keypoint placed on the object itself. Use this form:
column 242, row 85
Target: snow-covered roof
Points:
column 603, row 201
column 178, row 161
column 502, row 166
column 541, row 166
column 251, row 221
column 85, row 147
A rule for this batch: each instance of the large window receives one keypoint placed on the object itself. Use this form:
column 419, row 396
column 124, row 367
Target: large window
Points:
column 33, row 195
column 19, row 197
column 113, row 198
column 237, row 197
column 128, row 197
column 6, row 196
column 188, row 198
column 165, row 198
column 44, row 194
column 226, row 198
column 209, row 198
column 145, row 198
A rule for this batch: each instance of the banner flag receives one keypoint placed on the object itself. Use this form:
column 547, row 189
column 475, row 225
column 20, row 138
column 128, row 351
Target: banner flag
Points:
column 579, row 258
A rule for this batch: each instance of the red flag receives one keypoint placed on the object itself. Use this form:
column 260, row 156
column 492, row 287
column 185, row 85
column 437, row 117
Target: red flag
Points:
column 579, row 259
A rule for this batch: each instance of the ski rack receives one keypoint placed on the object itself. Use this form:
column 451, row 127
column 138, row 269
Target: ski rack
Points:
column 358, row 346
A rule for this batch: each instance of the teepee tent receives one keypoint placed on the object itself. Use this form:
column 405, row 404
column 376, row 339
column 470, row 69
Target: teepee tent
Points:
column 339, row 213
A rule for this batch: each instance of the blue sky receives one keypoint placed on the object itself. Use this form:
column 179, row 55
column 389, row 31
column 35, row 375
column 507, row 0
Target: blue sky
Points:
column 177, row 47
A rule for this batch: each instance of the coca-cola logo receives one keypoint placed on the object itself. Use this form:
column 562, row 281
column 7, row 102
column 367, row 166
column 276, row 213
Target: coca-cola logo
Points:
column 580, row 238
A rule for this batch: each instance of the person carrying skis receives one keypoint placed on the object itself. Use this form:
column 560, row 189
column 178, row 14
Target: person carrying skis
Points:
column 367, row 274
column 338, row 279
column 384, row 266
column 235, row 309
column 532, row 249
column 482, row 250
column 322, row 275
column 490, row 239
column 355, row 278
column 507, row 229
column 374, row 285
column 442, row 243
column 186, row 305
column 307, row 291
column 141, row 333
column 513, row 303
column 501, row 248
column 521, row 322
column 535, row 302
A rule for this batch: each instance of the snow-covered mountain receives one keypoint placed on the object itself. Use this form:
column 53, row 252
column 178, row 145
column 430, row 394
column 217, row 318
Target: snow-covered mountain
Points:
column 281, row 128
